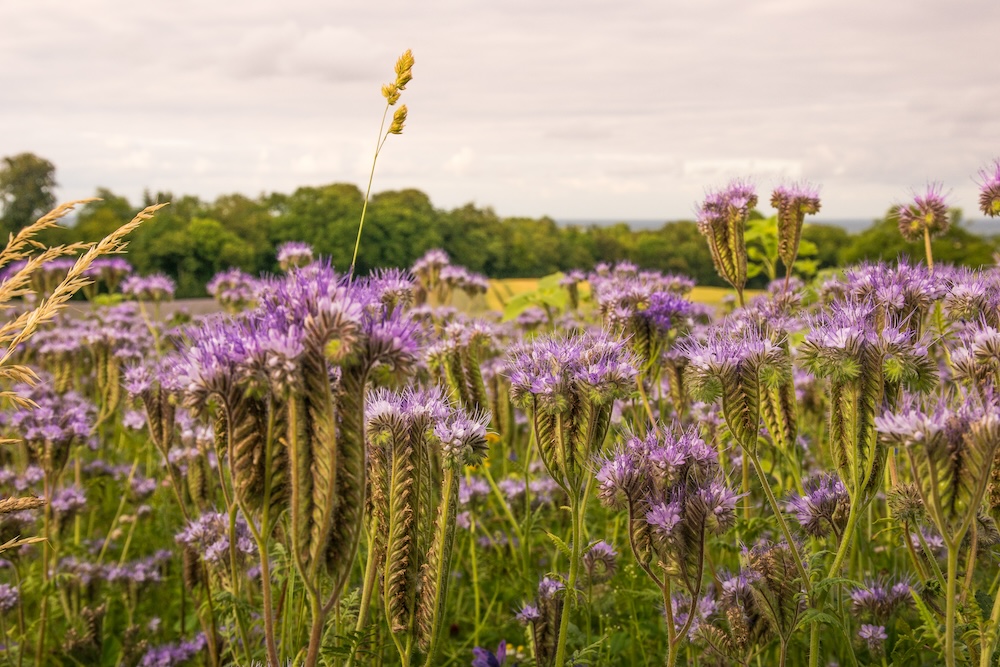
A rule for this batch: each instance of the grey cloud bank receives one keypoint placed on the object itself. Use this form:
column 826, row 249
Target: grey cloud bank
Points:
column 575, row 110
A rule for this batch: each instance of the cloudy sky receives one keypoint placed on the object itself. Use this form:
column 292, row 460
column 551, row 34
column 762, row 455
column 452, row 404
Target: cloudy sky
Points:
column 625, row 109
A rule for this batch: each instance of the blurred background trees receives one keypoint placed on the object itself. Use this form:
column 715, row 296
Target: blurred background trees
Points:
column 26, row 190
column 192, row 239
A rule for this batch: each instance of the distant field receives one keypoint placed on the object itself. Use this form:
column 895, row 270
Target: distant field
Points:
column 511, row 287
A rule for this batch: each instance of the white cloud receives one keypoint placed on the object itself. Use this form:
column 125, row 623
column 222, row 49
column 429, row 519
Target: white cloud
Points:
column 608, row 110
column 460, row 162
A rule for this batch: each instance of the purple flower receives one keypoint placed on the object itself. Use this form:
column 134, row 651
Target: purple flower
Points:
column 294, row 254
column 618, row 477
column 556, row 371
column 548, row 588
column 66, row 502
column 879, row 598
column 528, row 614
column 233, row 289
column 209, row 536
column 989, row 189
column 484, row 658
column 432, row 260
column 664, row 517
column 463, row 436
column 793, row 204
column 154, row 287
column 173, row 654
column 874, row 636
column 824, row 506
column 928, row 212
column 600, row 561
column 719, row 503
column 9, row 598
column 722, row 218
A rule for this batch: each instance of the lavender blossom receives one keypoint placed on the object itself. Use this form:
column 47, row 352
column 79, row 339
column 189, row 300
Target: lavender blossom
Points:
column 294, row 254
column 823, row 507
column 173, row 654
column 10, row 597
column 600, row 562
column 155, row 287
column 722, row 218
column 482, row 657
column 208, row 535
column 879, row 598
column 928, row 213
column 989, row 189
column 793, row 204
column 874, row 637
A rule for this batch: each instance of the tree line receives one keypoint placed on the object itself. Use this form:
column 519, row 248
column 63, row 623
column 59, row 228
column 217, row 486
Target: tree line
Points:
column 193, row 239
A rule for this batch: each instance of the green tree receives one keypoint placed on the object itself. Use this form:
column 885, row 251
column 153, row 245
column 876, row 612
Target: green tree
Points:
column 26, row 185
column 882, row 241
column 325, row 217
column 472, row 237
column 99, row 218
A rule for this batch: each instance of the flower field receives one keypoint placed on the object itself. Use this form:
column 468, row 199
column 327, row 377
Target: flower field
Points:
column 617, row 469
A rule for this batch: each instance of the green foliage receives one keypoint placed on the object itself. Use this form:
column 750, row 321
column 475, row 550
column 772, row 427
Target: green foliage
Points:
column 193, row 239
column 549, row 296
column 882, row 241
column 26, row 185
column 762, row 250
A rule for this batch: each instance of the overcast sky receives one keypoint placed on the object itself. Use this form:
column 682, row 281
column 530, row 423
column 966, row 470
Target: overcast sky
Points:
column 625, row 109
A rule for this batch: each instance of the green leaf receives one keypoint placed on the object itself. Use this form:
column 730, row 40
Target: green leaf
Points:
column 833, row 581
column 560, row 544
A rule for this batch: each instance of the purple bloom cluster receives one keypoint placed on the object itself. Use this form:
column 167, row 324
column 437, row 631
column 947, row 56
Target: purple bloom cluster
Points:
column 208, row 535
column 554, row 373
column 928, row 212
column 154, row 287
column 461, row 436
column 234, row 289
column 10, row 597
column 989, row 189
column 874, row 637
column 55, row 423
column 68, row 501
column 173, row 654
column 879, row 598
column 294, row 254
column 108, row 270
column 311, row 308
column 823, row 507
column 672, row 482
column 460, row 278
column 148, row 570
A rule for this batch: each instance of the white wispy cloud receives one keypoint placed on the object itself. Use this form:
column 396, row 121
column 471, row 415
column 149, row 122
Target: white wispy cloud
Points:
column 584, row 109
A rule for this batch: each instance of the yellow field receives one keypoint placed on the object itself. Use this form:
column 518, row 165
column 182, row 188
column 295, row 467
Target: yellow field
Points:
column 510, row 287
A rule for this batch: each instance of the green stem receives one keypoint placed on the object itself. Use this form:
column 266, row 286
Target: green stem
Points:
column 772, row 501
column 949, row 617
column 927, row 249
column 577, row 509
column 645, row 403
column 671, row 628
column 845, row 542
column 371, row 177
column 445, row 539
column 990, row 640
column 371, row 569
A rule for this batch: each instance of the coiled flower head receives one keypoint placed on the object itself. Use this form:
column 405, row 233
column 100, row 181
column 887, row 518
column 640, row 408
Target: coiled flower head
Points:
column 927, row 212
column 989, row 189
column 722, row 219
column 793, row 204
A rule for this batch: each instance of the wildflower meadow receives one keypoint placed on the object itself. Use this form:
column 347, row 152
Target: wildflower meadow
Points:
column 345, row 469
